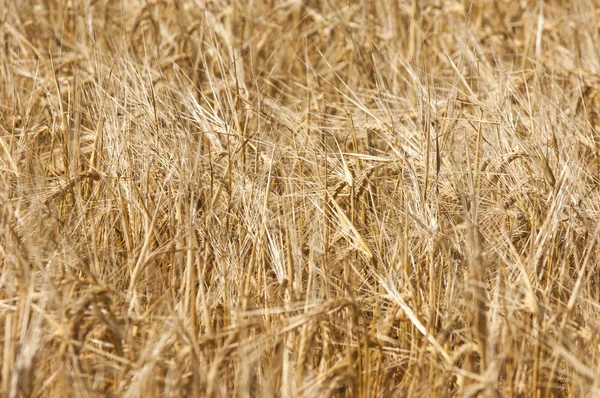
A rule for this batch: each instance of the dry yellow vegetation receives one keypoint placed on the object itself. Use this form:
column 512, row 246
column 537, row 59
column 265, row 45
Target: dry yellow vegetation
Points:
column 308, row 198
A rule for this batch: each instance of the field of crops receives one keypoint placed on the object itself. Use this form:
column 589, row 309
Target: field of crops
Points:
column 299, row 198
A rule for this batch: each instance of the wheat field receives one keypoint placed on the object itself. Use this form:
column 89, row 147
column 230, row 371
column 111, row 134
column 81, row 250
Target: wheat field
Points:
column 299, row 198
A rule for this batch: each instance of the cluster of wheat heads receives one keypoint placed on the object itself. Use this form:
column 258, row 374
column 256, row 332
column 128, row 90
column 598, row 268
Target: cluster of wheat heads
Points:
column 299, row 198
